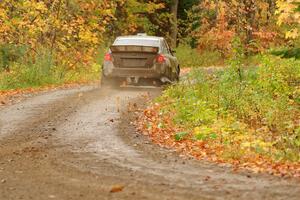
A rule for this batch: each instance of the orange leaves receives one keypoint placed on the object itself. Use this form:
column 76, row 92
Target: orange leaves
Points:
column 156, row 126
column 117, row 188
column 220, row 21
column 160, row 127
column 56, row 25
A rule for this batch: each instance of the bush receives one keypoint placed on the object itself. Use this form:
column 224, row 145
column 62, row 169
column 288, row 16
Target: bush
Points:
column 256, row 109
column 189, row 57
column 9, row 54
column 44, row 70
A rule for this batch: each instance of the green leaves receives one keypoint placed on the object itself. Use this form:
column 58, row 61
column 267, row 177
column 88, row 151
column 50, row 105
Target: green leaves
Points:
column 204, row 133
column 181, row 136
column 224, row 109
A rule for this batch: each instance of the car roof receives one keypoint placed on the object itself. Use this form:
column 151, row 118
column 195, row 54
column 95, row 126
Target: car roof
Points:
column 137, row 37
column 144, row 37
column 142, row 40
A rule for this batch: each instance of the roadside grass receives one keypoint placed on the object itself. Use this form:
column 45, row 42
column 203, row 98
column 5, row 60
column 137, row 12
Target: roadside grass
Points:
column 45, row 70
column 249, row 117
column 192, row 58
column 22, row 77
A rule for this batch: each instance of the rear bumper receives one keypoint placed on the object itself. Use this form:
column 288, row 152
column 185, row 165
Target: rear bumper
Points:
column 109, row 70
column 138, row 72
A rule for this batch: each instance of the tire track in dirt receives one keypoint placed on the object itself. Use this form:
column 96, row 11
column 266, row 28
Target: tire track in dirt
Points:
column 78, row 144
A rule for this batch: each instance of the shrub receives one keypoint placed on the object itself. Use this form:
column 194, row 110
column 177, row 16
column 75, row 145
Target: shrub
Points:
column 43, row 70
column 10, row 53
column 259, row 106
column 189, row 57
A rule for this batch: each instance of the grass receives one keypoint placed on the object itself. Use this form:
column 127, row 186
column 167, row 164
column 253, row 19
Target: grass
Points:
column 22, row 77
column 45, row 70
column 244, row 113
column 189, row 57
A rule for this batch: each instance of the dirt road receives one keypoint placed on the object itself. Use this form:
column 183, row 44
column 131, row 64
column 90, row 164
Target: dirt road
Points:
column 79, row 144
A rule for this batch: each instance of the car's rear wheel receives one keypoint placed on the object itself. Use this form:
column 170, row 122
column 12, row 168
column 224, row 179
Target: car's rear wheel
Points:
column 149, row 82
column 177, row 73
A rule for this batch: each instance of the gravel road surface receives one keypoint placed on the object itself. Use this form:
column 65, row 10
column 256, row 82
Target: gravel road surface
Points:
column 80, row 144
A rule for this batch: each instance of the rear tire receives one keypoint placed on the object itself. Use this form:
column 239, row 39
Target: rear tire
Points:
column 177, row 74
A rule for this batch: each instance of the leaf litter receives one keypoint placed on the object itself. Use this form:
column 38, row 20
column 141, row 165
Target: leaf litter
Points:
column 162, row 130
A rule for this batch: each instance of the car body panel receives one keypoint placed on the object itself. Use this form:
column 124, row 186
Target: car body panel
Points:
column 137, row 57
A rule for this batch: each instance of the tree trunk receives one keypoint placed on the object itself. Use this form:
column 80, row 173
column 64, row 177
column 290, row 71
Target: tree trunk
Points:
column 174, row 29
column 55, row 30
column 271, row 11
column 250, row 9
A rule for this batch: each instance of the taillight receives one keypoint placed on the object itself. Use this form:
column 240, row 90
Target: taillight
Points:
column 108, row 57
column 160, row 59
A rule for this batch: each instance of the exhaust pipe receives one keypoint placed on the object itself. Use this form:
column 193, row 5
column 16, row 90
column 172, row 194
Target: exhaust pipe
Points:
column 128, row 80
column 134, row 80
column 165, row 80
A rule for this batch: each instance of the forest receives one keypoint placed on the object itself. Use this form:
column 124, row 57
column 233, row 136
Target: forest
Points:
column 71, row 33
column 246, row 114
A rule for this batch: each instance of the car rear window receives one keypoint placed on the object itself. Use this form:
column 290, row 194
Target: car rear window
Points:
column 137, row 42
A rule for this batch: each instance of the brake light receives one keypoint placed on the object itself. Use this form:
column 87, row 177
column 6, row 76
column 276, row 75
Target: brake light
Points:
column 160, row 59
column 108, row 57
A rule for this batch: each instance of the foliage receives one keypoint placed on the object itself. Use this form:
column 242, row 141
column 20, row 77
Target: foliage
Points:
column 10, row 53
column 189, row 57
column 70, row 32
column 135, row 16
column 75, row 26
column 287, row 52
column 245, row 116
column 42, row 71
column 184, row 20
column 213, row 25
column 288, row 12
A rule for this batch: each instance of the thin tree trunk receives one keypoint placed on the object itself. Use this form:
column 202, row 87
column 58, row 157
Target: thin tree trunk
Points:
column 55, row 30
column 272, row 7
column 250, row 19
column 174, row 29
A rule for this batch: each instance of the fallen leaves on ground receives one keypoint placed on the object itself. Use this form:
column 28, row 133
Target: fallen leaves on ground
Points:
column 162, row 131
column 185, row 71
column 117, row 188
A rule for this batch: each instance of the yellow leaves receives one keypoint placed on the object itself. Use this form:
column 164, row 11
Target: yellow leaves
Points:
column 265, row 146
column 287, row 15
column 293, row 34
column 34, row 8
column 3, row 15
column 88, row 36
column 240, row 146
column 108, row 12
column 152, row 7
column 202, row 130
column 246, row 145
column 40, row 6
column 57, row 25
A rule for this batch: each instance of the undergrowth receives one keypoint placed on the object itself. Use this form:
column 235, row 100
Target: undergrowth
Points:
column 240, row 113
column 45, row 70
column 192, row 58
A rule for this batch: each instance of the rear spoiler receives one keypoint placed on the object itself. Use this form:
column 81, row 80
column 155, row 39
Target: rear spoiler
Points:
column 131, row 48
